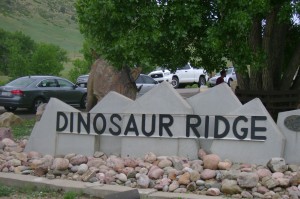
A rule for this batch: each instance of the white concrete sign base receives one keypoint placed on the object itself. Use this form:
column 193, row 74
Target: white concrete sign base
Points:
column 289, row 123
column 161, row 121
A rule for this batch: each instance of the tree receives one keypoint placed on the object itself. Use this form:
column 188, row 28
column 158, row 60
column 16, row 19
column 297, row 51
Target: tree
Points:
column 20, row 55
column 48, row 59
column 83, row 66
column 15, row 50
column 263, row 36
column 260, row 37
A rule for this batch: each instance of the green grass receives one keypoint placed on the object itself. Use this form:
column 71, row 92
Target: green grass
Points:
column 34, row 192
column 23, row 130
column 68, row 38
column 71, row 195
column 6, row 191
column 28, row 192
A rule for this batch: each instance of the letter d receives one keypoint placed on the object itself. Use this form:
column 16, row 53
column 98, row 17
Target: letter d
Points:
column 64, row 116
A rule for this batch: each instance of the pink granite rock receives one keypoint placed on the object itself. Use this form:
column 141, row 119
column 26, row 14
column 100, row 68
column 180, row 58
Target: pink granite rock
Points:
column 262, row 189
column 5, row 133
column 194, row 176
column 213, row 192
column 164, row 163
column 247, row 180
column 9, row 142
column 143, row 181
column 263, row 173
column 60, row 164
column 184, row 179
column 150, row 157
column 201, row 154
column 208, row 174
column 96, row 162
column 115, row 163
column 211, row 161
column 155, row 172
column 130, row 162
column 79, row 159
column 127, row 170
column 277, row 175
column 226, row 165
column 173, row 186
column 33, row 155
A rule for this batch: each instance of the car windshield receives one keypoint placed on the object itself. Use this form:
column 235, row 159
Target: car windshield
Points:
column 21, row 82
column 229, row 71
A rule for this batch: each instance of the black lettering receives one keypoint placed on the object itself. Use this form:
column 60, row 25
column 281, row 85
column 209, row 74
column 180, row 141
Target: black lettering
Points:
column 71, row 121
column 86, row 124
column 206, row 126
column 99, row 115
column 58, row 116
column 128, row 128
column 148, row 134
column 190, row 126
column 254, row 128
column 165, row 125
column 218, row 119
column 118, row 132
column 244, row 130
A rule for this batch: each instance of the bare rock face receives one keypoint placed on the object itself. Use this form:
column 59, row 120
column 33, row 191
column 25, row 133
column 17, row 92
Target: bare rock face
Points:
column 105, row 78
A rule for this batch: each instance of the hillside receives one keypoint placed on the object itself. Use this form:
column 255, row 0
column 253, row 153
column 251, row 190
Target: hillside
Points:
column 44, row 21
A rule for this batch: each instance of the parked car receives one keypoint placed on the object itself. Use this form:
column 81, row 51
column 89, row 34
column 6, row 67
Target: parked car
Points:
column 189, row 75
column 144, row 83
column 161, row 74
column 82, row 80
column 230, row 76
column 31, row 91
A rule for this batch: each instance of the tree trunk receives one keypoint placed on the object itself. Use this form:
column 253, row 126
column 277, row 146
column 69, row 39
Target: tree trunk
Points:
column 242, row 81
column 294, row 64
column 268, row 71
column 255, row 42
column 255, row 80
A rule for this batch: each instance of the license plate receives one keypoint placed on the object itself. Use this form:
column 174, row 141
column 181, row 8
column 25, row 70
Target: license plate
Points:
column 7, row 94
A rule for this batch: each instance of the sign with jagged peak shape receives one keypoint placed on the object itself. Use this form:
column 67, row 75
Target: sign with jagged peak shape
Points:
column 163, row 122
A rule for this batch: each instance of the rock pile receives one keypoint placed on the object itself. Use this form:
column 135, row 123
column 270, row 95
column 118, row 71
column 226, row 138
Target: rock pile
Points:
column 208, row 175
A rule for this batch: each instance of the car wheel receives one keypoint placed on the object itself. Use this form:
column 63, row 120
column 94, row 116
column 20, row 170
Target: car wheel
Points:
column 36, row 103
column 202, row 81
column 175, row 82
column 83, row 101
column 229, row 82
column 10, row 108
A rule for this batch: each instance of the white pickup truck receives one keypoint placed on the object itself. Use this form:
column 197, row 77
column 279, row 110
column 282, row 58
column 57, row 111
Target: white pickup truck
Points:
column 188, row 75
column 161, row 74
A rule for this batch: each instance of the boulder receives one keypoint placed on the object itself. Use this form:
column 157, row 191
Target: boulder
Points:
column 8, row 119
column 5, row 133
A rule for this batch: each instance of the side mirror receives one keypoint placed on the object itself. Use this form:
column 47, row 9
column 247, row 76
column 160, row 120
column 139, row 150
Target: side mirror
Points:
column 139, row 88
